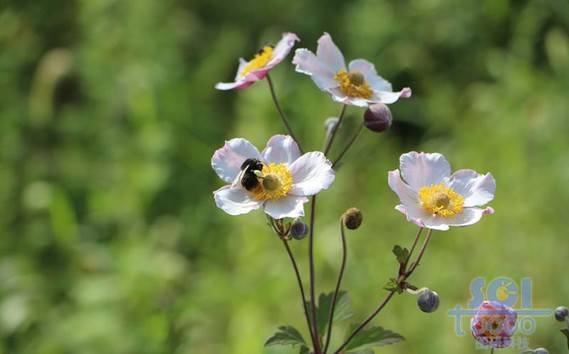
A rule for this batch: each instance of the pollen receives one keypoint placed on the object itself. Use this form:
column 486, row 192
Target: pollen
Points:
column 440, row 200
column 276, row 182
column 353, row 84
column 260, row 60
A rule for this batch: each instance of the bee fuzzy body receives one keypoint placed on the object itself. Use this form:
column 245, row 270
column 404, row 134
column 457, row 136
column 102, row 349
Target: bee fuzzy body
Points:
column 249, row 179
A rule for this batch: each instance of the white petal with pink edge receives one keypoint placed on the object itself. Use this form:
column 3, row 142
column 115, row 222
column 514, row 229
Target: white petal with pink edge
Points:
column 311, row 173
column 281, row 149
column 420, row 169
column 476, row 189
column 235, row 201
column 227, row 161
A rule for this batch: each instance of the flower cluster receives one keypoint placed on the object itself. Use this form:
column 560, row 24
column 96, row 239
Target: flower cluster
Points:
column 281, row 178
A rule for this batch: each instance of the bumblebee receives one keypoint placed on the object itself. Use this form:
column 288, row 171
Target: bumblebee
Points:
column 250, row 168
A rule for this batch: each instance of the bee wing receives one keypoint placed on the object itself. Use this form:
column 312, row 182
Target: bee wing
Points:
column 237, row 181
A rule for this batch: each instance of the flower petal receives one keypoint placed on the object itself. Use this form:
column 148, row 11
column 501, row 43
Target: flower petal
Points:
column 423, row 169
column 370, row 74
column 307, row 63
column 328, row 52
column 406, row 195
column 287, row 207
column 237, row 85
column 388, row 97
column 235, row 201
column 311, row 173
column 282, row 48
column 227, row 161
column 281, row 149
column 476, row 189
column 468, row 216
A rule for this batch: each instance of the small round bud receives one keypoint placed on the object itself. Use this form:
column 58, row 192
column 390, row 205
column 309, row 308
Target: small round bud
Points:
column 377, row 117
column 540, row 351
column 561, row 313
column 428, row 301
column 353, row 218
column 330, row 124
column 298, row 230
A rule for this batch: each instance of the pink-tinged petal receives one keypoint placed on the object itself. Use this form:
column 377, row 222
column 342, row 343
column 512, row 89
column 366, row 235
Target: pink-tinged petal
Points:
column 282, row 48
column 242, row 64
column 376, row 82
column 281, row 149
column 476, row 189
column 339, row 96
column 468, row 216
column 391, row 97
column 235, row 201
column 237, row 85
column 311, row 173
column 406, row 195
column 287, row 207
column 421, row 169
column 307, row 63
column 420, row 217
column 328, row 52
column 227, row 161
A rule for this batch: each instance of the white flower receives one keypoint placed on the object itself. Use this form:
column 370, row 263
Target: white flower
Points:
column 257, row 68
column 433, row 198
column 279, row 179
column 357, row 85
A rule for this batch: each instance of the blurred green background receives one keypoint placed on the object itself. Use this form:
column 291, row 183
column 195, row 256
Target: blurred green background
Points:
column 110, row 241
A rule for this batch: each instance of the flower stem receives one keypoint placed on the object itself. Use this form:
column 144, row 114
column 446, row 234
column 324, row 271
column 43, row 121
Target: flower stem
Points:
column 492, row 350
column 281, row 112
column 301, row 287
column 335, row 130
column 350, row 143
column 402, row 278
column 338, row 283
column 317, row 349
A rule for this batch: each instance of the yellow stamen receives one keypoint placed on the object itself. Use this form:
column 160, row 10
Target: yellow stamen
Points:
column 440, row 200
column 276, row 182
column 353, row 84
column 261, row 59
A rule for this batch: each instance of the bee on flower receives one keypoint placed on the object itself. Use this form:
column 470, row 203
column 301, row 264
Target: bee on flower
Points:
column 494, row 324
column 279, row 179
column 259, row 66
column 434, row 198
column 357, row 84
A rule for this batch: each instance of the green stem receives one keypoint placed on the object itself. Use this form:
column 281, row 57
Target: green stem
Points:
column 335, row 130
column 312, row 278
column 348, row 146
column 402, row 278
column 338, row 283
column 281, row 112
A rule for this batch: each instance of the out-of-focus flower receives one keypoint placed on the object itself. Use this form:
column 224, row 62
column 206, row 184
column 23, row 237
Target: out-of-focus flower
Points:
column 279, row 179
column 257, row 68
column 494, row 324
column 358, row 84
column 433, row 198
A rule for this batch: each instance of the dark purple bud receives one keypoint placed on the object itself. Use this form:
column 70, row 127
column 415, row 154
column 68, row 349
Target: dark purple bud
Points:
column 428, row 301
column 561, row 313
column 298, row 230
column 377, row 117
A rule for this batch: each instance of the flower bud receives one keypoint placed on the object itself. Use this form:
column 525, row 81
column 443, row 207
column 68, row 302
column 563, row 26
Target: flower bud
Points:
column 540, row 351
column 353, row 218
column 330, row 124
column 428, row 301
column 377, row 117
column 561, row 313
column 298, row 230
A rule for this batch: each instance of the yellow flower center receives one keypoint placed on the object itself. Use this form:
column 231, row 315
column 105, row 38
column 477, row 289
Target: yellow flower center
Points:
column 353, row 84
column 261, row 59
column 440, row 200
column 275, row 182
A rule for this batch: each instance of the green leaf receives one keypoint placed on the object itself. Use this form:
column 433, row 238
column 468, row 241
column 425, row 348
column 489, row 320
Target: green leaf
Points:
column 372, row 337
column 401, row 253
column 286, row 335
column 565, row 331
column 342, row 311
column 392, row 285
